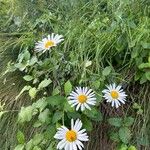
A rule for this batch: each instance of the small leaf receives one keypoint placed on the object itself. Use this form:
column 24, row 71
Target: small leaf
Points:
column 106, row 71
column 114, row 136
column 37, row 139
column 36, row 148
column 117, row 122
column 128, row 121
column 68, row 87
column 123, row 147
column 20, row 137
column 87, row 124
column 73, row 115
column 44, row 116
column 25, row 114
column 147, row 74
column 19, row 147
column 40, row 104
column 32, row 92
column 28, row 78
column 37, row 124
column 50, row 132
column 29, row 145
column 25, row 88
column 124, row 134
column 94, row 114
column 56, row 100
column 56, row 91
column 144, row 66
column 44, row 83
column 57, row 116
column 132, row 148
column 67, row 107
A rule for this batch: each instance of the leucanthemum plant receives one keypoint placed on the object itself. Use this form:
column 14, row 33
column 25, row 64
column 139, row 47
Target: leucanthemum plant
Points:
column 71, row 139
column 115, row 95
column 49, row 42
column 82, row 98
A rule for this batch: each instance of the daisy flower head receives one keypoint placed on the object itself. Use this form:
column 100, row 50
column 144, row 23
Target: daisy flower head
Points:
column 46, row 43
column 71, row 139
column 115, row 95
column 82, row 97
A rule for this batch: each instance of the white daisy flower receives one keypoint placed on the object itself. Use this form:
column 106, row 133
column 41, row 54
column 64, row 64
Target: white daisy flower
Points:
column 71, row 139
column 82, row 97
column 51, row 41
column 115, row 95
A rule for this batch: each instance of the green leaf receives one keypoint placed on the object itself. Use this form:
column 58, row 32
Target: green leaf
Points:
column 28, row 78
column 32, row 92
column 143, row 79
column 40, row 104
column 124, row 134
column 29, row 145
column 134, row 53
column 50, row 132
column 37, row 139
column 37, row 148
column 106, row 71
column 20, row 137
column 94, row 114
column 56, row 100
column 144, row 66
column 56, row 91
column 19, row 147
column 67, row 107
column 25, row 88
column 25, row 114
column 44, row 116
column 73, row 115
column 128, row 121
column 132, row 148
column 37, row 124
column 57, row 116
column 87, row 124
column 33, row 60
column 117, row 122
column 68, row 87
column 123, row 147
column 145, row 45
column 143, row 140
column 114, row 136
column 147, row 74
column 44, row 83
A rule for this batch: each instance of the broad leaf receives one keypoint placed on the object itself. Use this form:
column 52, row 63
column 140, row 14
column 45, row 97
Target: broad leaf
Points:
column 44, row 83
column 56, row 100
column 44, row 116
column 128, row 121
column 124, row 134
column 68, row 87
column 57, row 116
column 28, row 78
column 20, row 137
column 117, row 122
column 106, row 71
column 25, row 114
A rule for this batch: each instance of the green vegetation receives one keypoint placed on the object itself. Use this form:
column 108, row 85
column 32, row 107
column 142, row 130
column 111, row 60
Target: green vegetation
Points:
column 105, row 41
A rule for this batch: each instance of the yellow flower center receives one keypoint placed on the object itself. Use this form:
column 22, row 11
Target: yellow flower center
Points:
column 49, row 44
column 114, row 94
column 82, row 98
column 71, row 136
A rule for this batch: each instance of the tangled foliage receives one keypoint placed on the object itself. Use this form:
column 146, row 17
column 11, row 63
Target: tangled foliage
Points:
column 105, row 42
